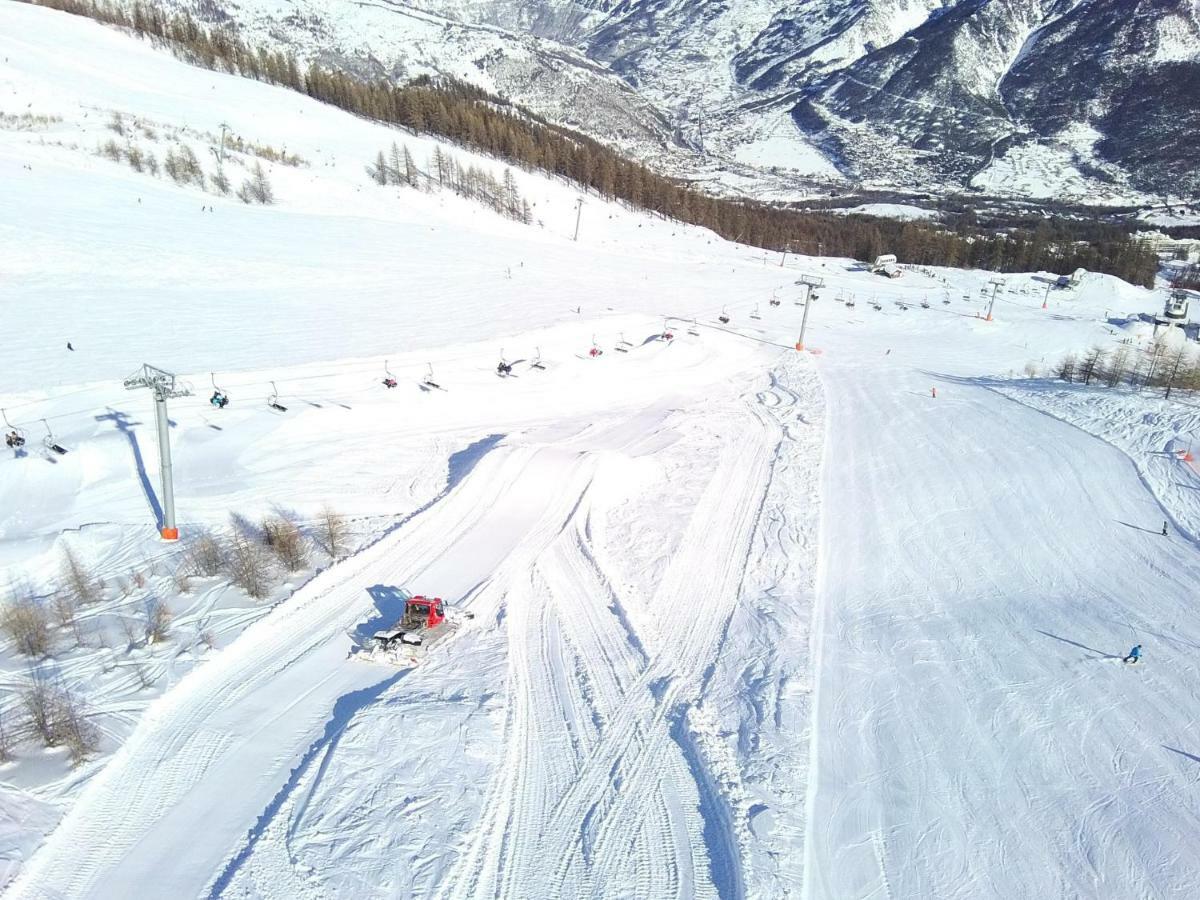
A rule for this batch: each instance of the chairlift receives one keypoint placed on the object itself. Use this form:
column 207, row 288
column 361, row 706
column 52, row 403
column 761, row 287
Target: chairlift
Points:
column 754, row 314
column 429, row 382
column 389, row 380
column 775, row 301
column 622, row 345
column 723, row 318
column 694, row 329
column 667, row 334
column 14, row 437
column 537, row 360
column 219, row 398
column 925, row 303
column 850, row 303
column 595, row 351
column 50, row 443
column 504, row 367
column 273, row 399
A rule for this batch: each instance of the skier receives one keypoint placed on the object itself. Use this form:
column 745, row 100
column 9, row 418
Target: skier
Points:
column 69, row 347
column 1135, row 654
column 933, row 392
column 1164, row 529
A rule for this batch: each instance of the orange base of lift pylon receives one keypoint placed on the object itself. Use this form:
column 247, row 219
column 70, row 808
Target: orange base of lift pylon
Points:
column 800, row 347
column 169, row 534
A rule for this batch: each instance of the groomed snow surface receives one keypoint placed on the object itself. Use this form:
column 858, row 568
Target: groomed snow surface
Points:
column 746, row 622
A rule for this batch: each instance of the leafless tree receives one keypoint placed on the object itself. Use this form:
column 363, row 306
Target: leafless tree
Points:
column 157, row 617
column 78, row 582
column 27, row 622
column 247, row 565
column 287, row 543
column 331, row 533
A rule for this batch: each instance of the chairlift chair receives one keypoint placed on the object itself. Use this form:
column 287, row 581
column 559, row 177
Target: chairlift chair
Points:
column 667, row 334
column 622, row 345
column 723, row 318
column 694, row 329
column 537, row 360
column 14, row 437
column 595, row 351
column 754, row 314
column 219, row 398
column 389, row 380
column 429, row 382
column 273, row 400
column 504, row 367
column 775, row 301
column 50, row 443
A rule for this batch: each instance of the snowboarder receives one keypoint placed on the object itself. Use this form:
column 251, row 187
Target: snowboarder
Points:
column 1135, row 654
column 1164, row 529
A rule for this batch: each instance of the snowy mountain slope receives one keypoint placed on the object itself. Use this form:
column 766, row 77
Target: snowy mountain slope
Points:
column 940, row 90
column 747, row 621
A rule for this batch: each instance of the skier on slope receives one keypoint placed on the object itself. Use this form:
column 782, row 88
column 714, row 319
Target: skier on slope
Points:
column 1135, row 654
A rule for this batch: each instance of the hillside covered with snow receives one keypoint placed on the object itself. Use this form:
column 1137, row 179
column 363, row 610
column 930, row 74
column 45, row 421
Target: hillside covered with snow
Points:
column 733, row 619
column 1090, row 102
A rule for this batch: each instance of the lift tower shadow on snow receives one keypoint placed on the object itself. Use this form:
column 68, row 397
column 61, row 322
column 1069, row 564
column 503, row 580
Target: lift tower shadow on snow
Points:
column 164, row 385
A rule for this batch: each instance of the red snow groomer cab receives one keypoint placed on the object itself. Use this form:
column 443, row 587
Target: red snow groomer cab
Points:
column 423, row 619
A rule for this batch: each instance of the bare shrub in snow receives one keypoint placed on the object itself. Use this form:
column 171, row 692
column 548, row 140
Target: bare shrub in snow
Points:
column 247, row 565
column 110, row 149
column 287, row 543
column 71, row 726
column 220, row 181
column 157, row 620
column 135, row 157
column 66, row 613
column 116, row 123
column 81, row 584
column 27, row 622
column 6, row 739
column 1031, row 370
column 204, row 558
column 257, row 188
column 331, row 533
column 37, row 697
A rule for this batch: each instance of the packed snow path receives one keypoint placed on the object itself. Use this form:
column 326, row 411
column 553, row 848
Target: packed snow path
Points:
column 984, row 568
column 586, row 777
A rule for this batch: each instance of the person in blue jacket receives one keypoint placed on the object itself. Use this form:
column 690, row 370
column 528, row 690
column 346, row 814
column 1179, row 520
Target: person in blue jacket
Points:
column 1135, row 654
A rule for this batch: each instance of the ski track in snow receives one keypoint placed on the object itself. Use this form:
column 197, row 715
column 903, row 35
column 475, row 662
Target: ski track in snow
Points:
column 669, row 688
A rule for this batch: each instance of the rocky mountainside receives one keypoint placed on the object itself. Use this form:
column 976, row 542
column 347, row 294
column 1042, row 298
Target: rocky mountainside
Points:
column 1083, row 99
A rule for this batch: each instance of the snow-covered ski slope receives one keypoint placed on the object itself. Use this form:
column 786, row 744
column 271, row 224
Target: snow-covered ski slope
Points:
column 747, row 622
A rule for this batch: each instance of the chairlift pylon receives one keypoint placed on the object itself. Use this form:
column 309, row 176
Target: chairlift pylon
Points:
column 50, row 443
column 14, row 437
column 273, row 399
column 219, row 398
column 389, row 380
